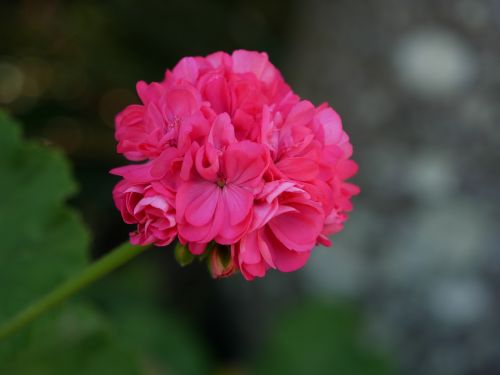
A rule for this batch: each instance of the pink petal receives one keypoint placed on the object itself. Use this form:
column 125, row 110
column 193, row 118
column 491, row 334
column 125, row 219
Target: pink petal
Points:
column 222, row 133
column 254, row 62
column 207, row 162
column 301, row 114
column 298, row 168
column 244, row 163
column 216, row 92
column 199, row 200
column 238, row 202
column 262, row 213
column 328, row 126
column 305, row 216
column 286, row 260
column 163, row 164
column 182, row 101
column 186, row 69
column 136, row 173
column 197, row 248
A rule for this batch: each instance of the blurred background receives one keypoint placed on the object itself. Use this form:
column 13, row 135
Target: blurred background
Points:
column 411, row 286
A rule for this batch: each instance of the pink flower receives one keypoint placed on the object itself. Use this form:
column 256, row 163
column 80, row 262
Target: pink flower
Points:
column 237, row 167
column 151, row 207
column 215, row 200
column 170, row 117
column 284, row 230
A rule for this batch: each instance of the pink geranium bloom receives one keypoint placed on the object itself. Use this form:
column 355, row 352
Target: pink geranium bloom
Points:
column 215, row 200
column 237, row 167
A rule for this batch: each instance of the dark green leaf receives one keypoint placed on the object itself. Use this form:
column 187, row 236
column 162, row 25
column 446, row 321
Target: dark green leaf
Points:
column 42, row 243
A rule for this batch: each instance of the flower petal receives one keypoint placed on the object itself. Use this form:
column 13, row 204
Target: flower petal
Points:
column 244, row 163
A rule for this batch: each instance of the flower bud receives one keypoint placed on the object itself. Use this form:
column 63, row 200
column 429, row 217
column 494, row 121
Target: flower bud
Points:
column 182, row 255
column 220, row 262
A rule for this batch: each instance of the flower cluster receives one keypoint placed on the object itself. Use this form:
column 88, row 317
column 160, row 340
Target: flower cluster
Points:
column 236, row 165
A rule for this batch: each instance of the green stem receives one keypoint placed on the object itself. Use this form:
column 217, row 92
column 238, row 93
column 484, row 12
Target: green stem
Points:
column 93, row 272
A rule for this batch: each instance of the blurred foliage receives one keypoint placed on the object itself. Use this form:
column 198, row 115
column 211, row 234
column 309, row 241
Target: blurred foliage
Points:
column 73, row 340
column 34, row 221
column 320, row 338
column 44, row 243
column 130, row 299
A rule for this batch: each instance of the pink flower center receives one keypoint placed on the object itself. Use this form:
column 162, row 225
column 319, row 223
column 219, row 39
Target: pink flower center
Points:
column 221, row 181
column 171, row 130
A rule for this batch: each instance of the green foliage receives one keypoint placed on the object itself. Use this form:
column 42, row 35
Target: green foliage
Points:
column 43, row 242
column 320, row 339
column 164, row 340
column 76, row 340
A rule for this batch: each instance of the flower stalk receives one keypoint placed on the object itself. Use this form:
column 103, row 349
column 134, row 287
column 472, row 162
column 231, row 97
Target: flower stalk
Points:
column 95, row 271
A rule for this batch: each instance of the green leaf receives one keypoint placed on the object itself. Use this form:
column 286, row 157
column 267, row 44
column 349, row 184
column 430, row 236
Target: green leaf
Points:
column 319, row 338
column 43, row 243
